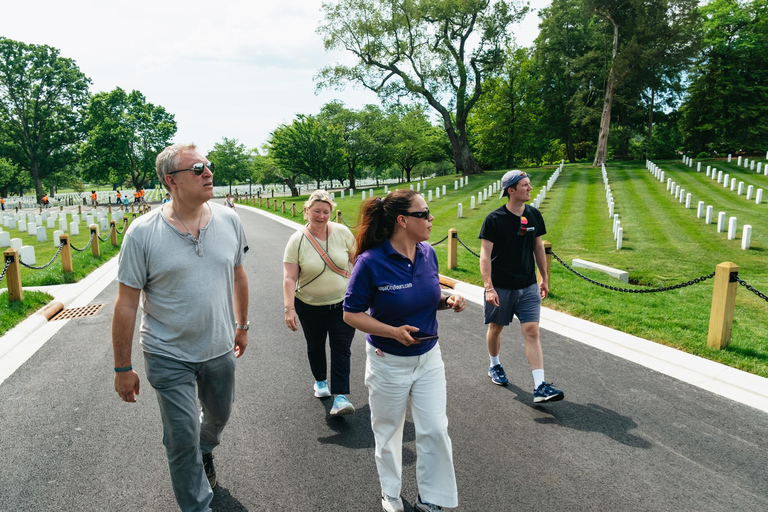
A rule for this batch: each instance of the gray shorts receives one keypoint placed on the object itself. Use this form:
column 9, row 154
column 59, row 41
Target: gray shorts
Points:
column 525, row 303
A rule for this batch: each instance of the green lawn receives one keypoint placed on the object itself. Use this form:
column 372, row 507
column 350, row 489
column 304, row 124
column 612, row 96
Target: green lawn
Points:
column 664, row 244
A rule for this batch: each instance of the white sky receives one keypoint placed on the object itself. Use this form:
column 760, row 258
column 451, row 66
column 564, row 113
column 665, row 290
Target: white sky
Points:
column 232, row 68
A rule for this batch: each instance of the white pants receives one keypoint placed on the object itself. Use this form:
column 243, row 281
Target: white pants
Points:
column 391, row 380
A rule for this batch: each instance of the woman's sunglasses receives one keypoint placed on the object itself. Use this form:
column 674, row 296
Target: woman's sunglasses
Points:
column 419, row 215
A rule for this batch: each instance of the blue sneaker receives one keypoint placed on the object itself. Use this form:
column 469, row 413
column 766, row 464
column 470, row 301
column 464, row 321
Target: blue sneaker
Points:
column 546, row 393
column 497, row 375
column 321, row 389
column 341, row 406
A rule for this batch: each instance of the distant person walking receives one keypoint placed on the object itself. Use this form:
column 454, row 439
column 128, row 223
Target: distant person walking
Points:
column 182, row 263
column 229, row 202
column 117, row 199
column 510, row 245
column 316, row 265
column 94, row 200
column 2, row 203
column 394, row 295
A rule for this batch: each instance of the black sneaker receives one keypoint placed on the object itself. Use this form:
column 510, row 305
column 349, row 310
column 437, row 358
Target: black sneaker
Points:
column 210, row 471
column 546, row 393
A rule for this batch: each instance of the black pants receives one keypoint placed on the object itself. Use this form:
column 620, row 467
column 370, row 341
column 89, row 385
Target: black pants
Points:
column 319, row 322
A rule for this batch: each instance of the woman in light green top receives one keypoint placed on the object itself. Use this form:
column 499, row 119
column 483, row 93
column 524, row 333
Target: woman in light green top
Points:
column 316, row 266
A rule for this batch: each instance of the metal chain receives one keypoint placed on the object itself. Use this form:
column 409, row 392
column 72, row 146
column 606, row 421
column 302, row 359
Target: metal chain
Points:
column 467, row 248
column 125, row 221
column 748, row 287
column 44, row 266
column 441, row 241
column 628, row 290
column 345, row 223
column 87, row 245
column 106, row 237
column 5, row 269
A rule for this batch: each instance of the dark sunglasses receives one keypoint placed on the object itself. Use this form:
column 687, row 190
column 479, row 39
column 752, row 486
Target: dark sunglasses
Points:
column 198, row 168
column 419, row 215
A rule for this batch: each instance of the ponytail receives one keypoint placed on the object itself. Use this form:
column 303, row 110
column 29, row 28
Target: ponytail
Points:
column 378, row 216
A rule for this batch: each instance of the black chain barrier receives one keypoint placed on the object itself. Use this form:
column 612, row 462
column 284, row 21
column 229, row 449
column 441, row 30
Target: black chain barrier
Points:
column 87, row 245
column 106, row 237
column 5, row 269
column 441, row 241
column 748, row 287
column 44, row 266
column 125, row 221
column 641, row 290
column 345, row 223
column 467, row 248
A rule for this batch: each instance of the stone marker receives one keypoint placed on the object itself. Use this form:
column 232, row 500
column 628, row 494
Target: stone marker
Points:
column 710, row 210
column 74, row 228
column 746, row 236
column 57, row 237
column 700, row 210
column 5, row 239
column 721, row 222
column 732, row 228
column 16, row 243
column 618, row 238
column 741, row 188
column 42, row 234
column 27, row 254
column 429, row 196
column 472, row 203
column 63, row 224
column 459, row 210
column 759, row 196
column 688, row 200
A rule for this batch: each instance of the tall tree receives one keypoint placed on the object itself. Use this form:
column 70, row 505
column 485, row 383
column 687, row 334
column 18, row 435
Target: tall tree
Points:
column 125, row 135
column 438, row 51
column 307, row 147
column 232, row 161
column 415, row 140
column 42, row 98
column 727, row 100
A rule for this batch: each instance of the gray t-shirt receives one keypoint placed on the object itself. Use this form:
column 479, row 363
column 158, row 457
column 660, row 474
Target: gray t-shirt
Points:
column 187, row 301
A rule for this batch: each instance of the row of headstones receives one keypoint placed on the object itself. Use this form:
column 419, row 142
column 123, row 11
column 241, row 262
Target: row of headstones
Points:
column 19, row 222
column 748, row 164
column 27, row 252
column 727, row 181
column 680, row 194
column 618, row 231
column 550, row 183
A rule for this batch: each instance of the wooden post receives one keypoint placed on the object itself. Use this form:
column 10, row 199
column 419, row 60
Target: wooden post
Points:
column 113, row 231
column 338, row 216
column 260, row 201
column 283, row 206
column 267, row 203
column 13, row 276
column 66, row 254
column 79, row 210
column 293, row 209
column 723, row 304
column 453, row 237
column 109, row 208
column 94, row 232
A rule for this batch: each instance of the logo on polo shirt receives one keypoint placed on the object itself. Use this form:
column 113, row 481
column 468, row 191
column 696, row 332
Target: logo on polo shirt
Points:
column 391, row 287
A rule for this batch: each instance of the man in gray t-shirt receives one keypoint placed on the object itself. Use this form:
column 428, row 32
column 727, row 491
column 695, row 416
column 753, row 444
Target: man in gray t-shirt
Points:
column 182, row 265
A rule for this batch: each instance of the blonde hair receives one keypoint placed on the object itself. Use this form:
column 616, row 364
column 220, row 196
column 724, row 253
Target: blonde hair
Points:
column 318, row 195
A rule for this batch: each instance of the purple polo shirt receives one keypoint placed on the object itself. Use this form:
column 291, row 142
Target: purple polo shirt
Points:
column 397, row 292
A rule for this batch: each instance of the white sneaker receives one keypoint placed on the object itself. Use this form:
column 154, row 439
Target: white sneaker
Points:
column 321, row 389
column 390, row 504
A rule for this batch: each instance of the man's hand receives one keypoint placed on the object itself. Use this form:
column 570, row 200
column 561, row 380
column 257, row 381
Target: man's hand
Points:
column 544, row 288
column 241, row 341
column 491, row 296
column 127, row 385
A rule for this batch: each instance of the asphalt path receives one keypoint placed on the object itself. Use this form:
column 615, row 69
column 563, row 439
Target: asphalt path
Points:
column 624, row 438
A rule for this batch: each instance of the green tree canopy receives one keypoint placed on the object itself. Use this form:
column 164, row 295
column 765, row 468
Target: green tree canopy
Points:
column 232, row 161
column 125, row 135
column 42, row 99
column 307, row 147
column 415, row 140
column 438, row 51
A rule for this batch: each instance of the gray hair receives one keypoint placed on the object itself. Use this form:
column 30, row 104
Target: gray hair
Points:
column 318, row 195
column 168, row 160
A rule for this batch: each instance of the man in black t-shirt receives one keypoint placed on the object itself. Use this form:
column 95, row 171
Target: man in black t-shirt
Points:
column 510, row 250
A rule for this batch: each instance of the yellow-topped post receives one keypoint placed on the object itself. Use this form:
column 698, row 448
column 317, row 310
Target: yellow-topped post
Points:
column 723, row 305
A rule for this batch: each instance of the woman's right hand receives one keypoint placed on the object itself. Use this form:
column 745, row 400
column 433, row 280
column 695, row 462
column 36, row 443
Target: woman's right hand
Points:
column 291, row 320
column 403, row 335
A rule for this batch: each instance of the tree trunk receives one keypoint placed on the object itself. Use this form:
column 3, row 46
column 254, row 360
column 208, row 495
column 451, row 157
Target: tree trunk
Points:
column 650, row 114
column 351, row 172
column 462, row 155
column 605, row 121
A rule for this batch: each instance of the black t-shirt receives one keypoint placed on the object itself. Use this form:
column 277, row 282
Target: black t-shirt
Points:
column 513, row 266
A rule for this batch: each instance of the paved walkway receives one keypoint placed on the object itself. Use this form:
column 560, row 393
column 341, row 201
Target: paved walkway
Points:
column 632, row 434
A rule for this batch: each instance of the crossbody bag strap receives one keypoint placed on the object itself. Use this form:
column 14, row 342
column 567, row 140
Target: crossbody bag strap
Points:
column 324, row 255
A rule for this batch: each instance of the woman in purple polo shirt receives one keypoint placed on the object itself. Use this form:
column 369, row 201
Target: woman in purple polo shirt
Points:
column 393, row 295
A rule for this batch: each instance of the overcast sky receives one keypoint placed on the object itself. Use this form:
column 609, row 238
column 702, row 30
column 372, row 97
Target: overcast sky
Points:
column 232, row 68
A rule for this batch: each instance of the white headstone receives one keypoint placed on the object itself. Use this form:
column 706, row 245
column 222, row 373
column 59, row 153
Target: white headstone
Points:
column 104, row 224
column 700, row 210
column 472, row 202
column 443, row 189
column 746, row 236
column 732, row 228
column 386, row 190
column 729, row 157
column 619, row 236
column 485, row 194
column 709, row 167
column 759, row 165
column 669, row 183
column 429, row 196
column 733, row 183
column 688, row 200
column 615, row 222
column 455, row 185
column 57, row 237
column 677, row 189
column 51, row 222
column 741, row 188
column 698, row 167
column 42, row 234
column 720, row 176
column 721, row 222
column 759, row 196
column 16, row 243
column 459, row 208
column 437, row 193
column 618, row 228
column 63, row 224
column 32, row 229
column 5, row 239
column 610, row 210
column 479, row 198
column 739, row 162
column 418, row 187
column 27, row 254
column 710, row 210
column 750, row 190
column 74, row 228
column 22, row 225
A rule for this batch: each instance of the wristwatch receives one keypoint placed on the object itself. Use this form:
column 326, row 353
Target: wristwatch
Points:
column 243, row 327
